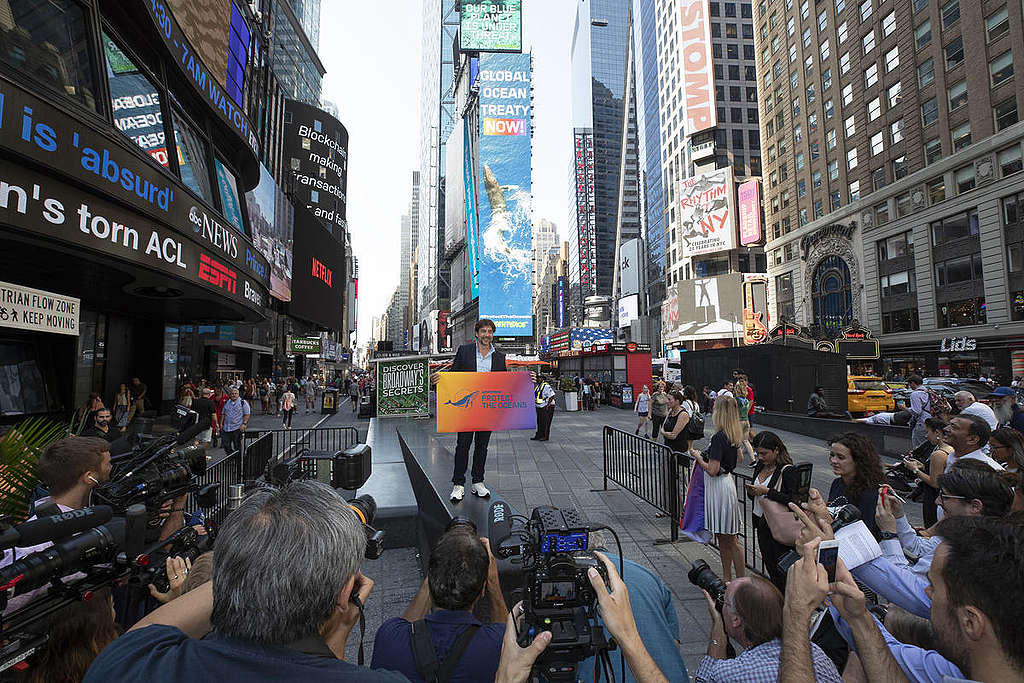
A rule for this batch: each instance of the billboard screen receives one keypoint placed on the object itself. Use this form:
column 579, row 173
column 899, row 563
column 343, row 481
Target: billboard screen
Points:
column 698, row 83
column 711, row 306
column 748, row 197
column 318, row 283
column 316, row 145
column 217, row 30
column 629, row 267
column 560, row 316
column 755, row 309
column 629, row 309
column 272, row 219
column 586, row 218
column 454, row 190
column 491, row 26
column 472, row 224
column 504, row 208
column 707, row 219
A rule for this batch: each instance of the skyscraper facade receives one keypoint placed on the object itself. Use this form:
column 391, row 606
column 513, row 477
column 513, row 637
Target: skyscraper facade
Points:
column 293, row 52
column 437, row 102
column 598, row 72
column 893, row 153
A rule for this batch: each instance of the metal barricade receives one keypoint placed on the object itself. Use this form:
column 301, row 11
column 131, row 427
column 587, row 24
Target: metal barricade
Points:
column 647, row 469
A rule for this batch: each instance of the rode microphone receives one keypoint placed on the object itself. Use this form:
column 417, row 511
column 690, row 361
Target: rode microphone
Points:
column 55, row 527
column 499, row 528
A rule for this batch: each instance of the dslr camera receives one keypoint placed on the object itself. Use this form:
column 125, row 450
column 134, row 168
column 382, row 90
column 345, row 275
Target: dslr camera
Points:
column 555, row 546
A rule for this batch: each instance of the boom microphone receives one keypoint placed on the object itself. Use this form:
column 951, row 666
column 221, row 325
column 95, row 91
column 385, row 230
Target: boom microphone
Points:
column 55, row 526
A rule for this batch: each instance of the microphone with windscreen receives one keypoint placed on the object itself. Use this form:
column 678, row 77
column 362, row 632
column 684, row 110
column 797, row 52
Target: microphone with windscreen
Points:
column 499, row 529
column 55, row 526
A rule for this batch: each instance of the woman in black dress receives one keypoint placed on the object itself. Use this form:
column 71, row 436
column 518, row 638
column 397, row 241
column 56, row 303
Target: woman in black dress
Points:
column 775, row 479
column 674, row 426
column 858, row 471
column 934, row 430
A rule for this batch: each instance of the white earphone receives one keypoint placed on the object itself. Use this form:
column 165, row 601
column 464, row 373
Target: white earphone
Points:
column 93, row 480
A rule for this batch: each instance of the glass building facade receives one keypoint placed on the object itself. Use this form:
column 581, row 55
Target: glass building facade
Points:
column 649, row 136
column 293, row 53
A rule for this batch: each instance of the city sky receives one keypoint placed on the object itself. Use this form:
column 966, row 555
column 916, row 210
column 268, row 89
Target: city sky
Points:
column 372, row 55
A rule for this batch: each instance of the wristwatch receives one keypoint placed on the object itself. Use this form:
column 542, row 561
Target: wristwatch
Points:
column 889, row 536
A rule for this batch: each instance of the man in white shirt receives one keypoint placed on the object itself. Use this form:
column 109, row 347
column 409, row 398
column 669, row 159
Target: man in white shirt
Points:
column 726, row 390
column 969, row 405
column 968, row 435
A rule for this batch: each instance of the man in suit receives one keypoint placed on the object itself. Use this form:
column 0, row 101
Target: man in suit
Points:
column 478, row 357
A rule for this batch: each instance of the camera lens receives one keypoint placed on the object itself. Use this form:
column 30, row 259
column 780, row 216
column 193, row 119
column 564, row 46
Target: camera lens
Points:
column 463, row 522
column 365, row 508
column 701, row 576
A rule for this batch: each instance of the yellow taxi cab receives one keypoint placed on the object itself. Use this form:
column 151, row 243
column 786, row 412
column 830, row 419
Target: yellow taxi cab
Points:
column 867, row 394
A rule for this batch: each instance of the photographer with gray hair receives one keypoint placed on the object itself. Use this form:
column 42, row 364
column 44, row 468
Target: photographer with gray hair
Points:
column 281, row 604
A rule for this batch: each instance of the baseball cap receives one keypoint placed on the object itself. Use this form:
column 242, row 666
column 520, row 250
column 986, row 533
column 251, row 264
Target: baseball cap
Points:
column 1001, row 391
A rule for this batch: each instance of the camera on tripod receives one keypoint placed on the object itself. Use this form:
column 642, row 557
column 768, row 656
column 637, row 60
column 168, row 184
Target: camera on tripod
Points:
column 555, row 546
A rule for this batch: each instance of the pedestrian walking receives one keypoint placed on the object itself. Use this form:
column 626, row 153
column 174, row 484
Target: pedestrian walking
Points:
column 310, row 391
column 265, row 396
column 920, row 410
column 642, row 408
column 353, row 392
column 235, row 414
column 588, row 399
column 287, row 408
column 659, row 408
column 545, row 403
column 122, row 407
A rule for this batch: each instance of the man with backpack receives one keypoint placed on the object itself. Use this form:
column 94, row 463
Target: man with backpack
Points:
column 923, row 404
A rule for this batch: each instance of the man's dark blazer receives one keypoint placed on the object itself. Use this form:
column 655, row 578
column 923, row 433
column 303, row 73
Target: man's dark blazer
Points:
column 465, row 359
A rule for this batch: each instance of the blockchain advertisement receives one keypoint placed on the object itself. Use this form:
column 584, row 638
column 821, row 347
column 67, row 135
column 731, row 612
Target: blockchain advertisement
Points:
column 505, row 205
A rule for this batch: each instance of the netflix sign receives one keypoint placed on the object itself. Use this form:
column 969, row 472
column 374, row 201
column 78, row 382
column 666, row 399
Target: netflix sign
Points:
column 318, row 277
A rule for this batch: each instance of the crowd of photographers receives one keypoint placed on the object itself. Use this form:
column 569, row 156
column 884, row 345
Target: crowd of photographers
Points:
column 283, row 592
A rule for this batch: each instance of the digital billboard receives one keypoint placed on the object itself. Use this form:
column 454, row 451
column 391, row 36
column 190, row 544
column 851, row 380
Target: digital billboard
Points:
column 272, row 219
column 586, row 218
column 472, row 222
column 505, row 204
column 491, row 26
column 748, row 196
column 755, row 309
column 318, row 281
column 221, row 38
column 629, row 310
column 629, row 267
column 561, row 302
column 454, row 189
column 316, row 146
column 698, row 83
column 707, row 219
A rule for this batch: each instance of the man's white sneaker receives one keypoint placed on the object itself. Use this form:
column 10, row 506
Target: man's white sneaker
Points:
column 458, row 492
column 480, row 490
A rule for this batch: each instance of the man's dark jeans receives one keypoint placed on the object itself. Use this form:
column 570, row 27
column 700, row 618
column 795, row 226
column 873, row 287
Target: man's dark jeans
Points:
column 231, row 441
column 462, row 456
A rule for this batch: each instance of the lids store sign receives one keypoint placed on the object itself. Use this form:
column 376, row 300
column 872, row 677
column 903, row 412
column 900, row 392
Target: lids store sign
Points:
column 30, row 309
column 958, row 344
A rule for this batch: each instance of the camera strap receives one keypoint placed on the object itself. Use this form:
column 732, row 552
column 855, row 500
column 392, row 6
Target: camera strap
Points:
column 427, row 666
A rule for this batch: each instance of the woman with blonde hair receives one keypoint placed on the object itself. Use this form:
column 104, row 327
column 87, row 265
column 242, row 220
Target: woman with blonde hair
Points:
column 721, row 506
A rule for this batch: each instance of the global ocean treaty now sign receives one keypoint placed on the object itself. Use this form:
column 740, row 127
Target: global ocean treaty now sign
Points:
column 35, row 310
column 403, row 388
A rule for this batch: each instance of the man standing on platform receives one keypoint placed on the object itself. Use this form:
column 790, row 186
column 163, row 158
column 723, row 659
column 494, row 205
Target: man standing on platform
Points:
column 478, row 357
column 545, row 398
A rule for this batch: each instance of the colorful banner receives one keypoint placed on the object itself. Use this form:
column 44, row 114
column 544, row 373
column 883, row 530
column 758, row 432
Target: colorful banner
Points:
column 403, row 388
column 696, row 60
column 706, row 213
column 749, row 199
column 485, row 401
column 506, row 229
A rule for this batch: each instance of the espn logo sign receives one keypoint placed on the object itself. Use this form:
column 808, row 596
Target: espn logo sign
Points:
column 504, row 126
column 217, row 274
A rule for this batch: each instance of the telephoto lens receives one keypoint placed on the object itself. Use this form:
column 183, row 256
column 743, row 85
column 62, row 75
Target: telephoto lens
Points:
column 464, row 522
column 702, row 576
column 365, row 508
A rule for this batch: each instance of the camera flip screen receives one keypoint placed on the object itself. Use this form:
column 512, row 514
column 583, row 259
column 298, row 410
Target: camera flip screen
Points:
column 567, row 543
column 558, row 591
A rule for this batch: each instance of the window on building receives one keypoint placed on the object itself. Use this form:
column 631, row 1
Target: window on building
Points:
column 954, row 53
column 855, row 190
column 802, row 217
column 801, row 188
column 734, row 72
column 799, row 161
column 851, row 158
column 920, row 5
column 730, row 31
column 926, row 72
column 871, row 76
column 823, row 20
column 865, row 10
column 882, row 213
column 842, row 33
column 1013, row 209
column 847, row 94
column 964, row 178
column 833, row 170
column 819, row 210
column 829, row 108
column 904, row 320
column 850, row 125
column 950, row 13
column 997, row 24
column 888, row 24
column 50, row 43
column 923, row 34
column 791, row 26
column 784, row 296
column 869, row 41
column 835, row 200
column 816, row 179
column 805, row 10
column 897, row 284
column 1006, row 113
column 814, row 151
column 1015, row 258
column 732, row 51
column 1009, row 161
column 957, row 270
column 810, row 93
column 877, row 143
column 812, row 121
column 830, row 139
column 192, row 156
column 904, row 205
column 893, row 94
column 878, row 180
column 957, row 95
column 755, row 165
column 716, row 29
column 936, row 188
column 805, row 38
column 896, row 246
column 930, row 112
column 956, row 227
column 892, row 59
column 825, row 50
column 752, row 94
column 844, row 63
column 899, row 167
column 1001, row 68
column 961, row 136
column 896, row 131
column 748, row 32
column 773, row 179
column 136, row 103
column 874, row 109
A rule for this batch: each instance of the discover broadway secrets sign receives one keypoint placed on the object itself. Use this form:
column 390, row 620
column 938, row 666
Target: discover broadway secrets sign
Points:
column 402, row 387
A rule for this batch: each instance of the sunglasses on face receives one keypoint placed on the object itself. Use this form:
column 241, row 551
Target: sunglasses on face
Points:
column 943, row 495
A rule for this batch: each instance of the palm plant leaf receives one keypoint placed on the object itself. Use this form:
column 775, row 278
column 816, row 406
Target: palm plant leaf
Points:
column 19, row 454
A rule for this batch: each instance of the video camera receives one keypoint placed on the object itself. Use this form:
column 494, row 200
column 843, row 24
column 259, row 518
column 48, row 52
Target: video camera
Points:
column 555, row 548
